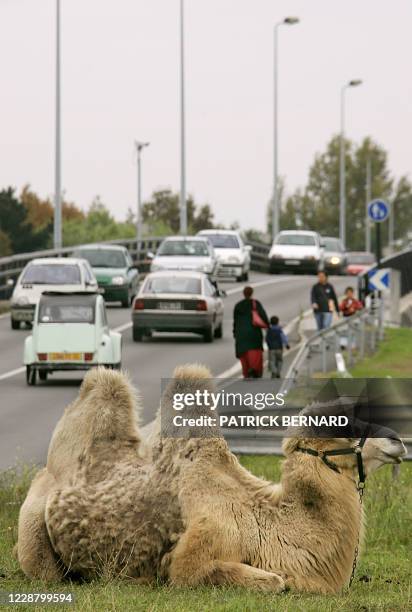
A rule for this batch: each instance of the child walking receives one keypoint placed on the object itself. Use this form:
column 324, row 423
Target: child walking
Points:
column 276, row 339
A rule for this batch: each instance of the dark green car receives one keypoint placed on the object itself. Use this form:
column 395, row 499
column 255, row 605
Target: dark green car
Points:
column 116, row 275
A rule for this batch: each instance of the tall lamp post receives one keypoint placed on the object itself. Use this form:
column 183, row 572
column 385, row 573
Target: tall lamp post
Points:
column 342, row 171
column 139, row 148
column 275, row 207
column 57, row 224
column 183, row 204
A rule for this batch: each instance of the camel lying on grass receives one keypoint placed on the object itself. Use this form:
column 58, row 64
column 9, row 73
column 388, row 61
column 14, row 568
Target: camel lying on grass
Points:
column 191, row 514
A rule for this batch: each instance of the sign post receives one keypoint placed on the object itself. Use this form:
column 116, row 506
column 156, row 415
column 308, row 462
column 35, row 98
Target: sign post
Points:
column 378, row 211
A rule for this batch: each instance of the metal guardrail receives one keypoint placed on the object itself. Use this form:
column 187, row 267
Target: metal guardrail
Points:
column 362, row 332
column 11, row 267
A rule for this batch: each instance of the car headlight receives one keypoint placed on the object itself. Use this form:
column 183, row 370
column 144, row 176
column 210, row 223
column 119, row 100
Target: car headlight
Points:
column 118, row 280
column 335, row 260
column 206, row 268
column 22, row 300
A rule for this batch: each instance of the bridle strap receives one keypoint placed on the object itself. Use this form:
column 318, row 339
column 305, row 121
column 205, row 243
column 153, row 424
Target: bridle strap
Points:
column 323, row 455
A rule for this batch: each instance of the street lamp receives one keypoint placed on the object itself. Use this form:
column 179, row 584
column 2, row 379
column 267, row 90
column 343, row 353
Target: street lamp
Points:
column 139, row 148
column 275, row 207
column 183, row 205
column 342, row 171
column 57, row 219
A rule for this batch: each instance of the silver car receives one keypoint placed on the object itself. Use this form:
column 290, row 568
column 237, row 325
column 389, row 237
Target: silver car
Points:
column 335, row 258
column 186, row 253
column 178, row 301
column 233, row 255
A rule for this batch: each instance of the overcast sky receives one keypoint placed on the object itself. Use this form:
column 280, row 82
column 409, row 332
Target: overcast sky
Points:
column 120, row 81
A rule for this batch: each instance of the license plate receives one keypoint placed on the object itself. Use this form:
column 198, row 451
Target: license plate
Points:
column 26, row 316
column 65, row 356
column 169, row 305
column 292, row 262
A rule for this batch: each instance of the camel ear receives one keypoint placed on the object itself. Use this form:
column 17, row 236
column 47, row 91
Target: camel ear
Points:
column 289, row 445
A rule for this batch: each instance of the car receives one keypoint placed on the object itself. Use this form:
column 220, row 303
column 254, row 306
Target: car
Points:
column 359, row 262
column 48, row 274
column 296, row 251
column 70, row 332
column 334, row 255
column 232, row 254
column 117, row 276
column 186, row 253
column 176, row 301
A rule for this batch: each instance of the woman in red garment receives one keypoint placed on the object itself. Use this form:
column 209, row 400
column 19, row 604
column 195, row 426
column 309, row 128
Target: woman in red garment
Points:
column 248, row 337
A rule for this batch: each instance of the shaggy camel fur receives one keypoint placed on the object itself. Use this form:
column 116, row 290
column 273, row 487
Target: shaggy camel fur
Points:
column 193, row 514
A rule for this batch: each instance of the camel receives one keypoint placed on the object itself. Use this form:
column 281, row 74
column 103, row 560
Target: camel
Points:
column 191, row 515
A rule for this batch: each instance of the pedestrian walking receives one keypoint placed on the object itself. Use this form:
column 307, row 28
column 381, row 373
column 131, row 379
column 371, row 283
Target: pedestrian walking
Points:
column 324, row 301
column 349, row 305
column 249, row 318
column 276, row 340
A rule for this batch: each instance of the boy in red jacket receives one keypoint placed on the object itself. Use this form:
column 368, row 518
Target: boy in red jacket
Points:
column 350, row 304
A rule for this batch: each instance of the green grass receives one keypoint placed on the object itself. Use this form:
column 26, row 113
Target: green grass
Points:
column 383, row 581
column 393, row 357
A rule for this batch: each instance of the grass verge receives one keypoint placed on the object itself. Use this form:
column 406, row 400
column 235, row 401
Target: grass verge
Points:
column 393, row 357
column 383, row 581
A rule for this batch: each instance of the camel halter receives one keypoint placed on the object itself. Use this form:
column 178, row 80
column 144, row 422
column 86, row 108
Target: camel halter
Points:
column 356, row 450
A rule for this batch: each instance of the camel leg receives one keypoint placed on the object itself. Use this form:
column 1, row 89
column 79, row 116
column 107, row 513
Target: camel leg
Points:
column 195, row 561
column 34, row 551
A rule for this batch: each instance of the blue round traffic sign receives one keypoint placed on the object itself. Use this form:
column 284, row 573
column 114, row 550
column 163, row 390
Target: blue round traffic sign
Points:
column 378, row 210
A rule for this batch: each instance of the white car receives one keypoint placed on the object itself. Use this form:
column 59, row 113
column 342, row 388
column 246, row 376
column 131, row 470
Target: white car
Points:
column 192, row 253
column 48, row 274
column 176, row 301
column 232, row 254
column 296, row 251
column 70, row 332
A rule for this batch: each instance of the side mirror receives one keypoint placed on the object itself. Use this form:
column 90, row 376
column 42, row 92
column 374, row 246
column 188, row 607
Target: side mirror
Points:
column 10, row 282
column 322, row 244
column 248, row 247
column 221, row 293
column 150, row 255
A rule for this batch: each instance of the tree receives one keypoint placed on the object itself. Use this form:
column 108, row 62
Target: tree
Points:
column 316, row 207
column 5, row 244
column 161, row 214
column 15, row 224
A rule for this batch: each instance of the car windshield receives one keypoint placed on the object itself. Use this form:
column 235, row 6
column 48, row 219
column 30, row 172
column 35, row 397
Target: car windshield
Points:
column 101, row 258
column 361, row 258
column 184, row 248
column 333, row 244
column 223, row 241
column 175, row 284
column 52, row 274
column 66, row 313
column 296, row 239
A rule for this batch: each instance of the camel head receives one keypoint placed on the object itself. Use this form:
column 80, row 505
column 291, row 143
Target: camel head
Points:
column 376, row 445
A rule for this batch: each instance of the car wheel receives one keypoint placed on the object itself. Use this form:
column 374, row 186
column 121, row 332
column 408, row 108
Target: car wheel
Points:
column 43, row 375
column 208, row 334
column 117, row 366
column 219, row 331
column 246, row 276
column 31, row 376
column 126, row 302
column 137, row 334
column 272, row 269
column 14, row 324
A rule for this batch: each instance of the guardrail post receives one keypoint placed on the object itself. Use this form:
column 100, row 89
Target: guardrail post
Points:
column 323, row 345
column 362, row 337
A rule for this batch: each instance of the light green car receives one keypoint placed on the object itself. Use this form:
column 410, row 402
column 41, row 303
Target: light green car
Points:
column 116, row 275
column 70, row 332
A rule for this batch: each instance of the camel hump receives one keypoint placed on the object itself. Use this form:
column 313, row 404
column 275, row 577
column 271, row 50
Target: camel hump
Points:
column 110, row 403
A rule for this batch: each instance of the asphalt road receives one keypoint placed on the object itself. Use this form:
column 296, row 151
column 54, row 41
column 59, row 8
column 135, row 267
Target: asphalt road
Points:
column 28, row 415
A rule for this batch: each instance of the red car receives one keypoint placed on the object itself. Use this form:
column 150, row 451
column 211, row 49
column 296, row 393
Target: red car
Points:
column 358, row 262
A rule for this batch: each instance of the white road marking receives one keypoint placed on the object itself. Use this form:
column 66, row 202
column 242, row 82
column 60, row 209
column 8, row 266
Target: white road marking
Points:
column 12, row 373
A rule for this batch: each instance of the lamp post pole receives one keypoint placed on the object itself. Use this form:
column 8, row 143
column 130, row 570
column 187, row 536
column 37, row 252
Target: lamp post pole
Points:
column 368, row 245
column 139, row 219
column 183, row 203
column 342, row 165
column 276, row 204
column 57, row 225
